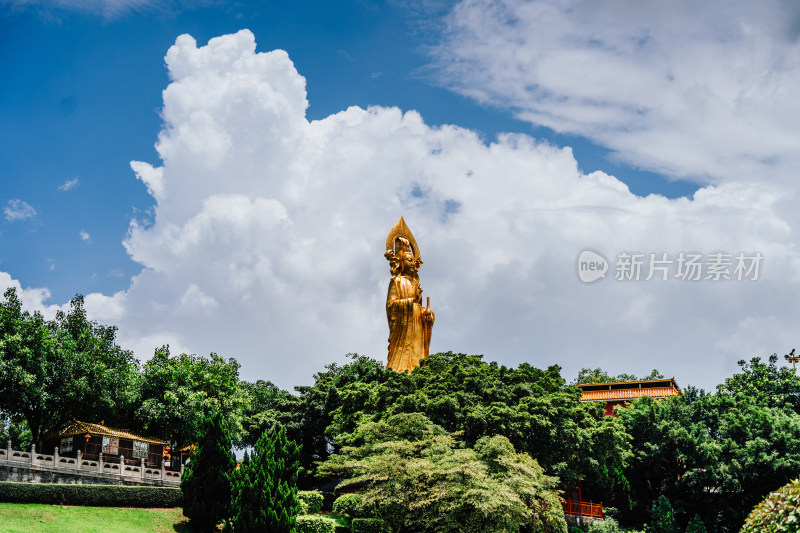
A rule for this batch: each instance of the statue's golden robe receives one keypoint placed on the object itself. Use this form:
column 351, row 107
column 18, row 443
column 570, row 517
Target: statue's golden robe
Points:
column 409, row 328
column 410, row 324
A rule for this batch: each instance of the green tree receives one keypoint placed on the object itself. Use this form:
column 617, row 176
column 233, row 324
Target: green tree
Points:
column 767, row 383
column 598, row 375
column 533, row 408
column 420, row 478
column 53, row 371
column 179, row 392
column 206, row 481
column 265, row 406
column 714, row 455
column 662, row 518
column 265, row 495
column 696, row 525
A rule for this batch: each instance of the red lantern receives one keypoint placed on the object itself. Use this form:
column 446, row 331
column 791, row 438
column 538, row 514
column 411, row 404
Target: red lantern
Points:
column 87, row 437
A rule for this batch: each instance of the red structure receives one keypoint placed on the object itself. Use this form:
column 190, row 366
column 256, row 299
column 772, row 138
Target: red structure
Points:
column 620, row 393
column 579, row 508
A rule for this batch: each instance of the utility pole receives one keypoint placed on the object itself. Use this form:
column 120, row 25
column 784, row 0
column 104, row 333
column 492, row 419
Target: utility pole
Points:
column 792, row 358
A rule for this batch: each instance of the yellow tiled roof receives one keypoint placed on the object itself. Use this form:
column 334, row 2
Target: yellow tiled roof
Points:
column 76, row 427
column 628, row 394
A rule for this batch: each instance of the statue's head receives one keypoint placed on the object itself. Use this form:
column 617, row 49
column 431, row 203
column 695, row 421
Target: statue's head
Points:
column 401, row 250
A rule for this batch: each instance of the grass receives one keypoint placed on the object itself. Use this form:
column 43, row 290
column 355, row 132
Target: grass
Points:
column 38, row 518
column 341, row 520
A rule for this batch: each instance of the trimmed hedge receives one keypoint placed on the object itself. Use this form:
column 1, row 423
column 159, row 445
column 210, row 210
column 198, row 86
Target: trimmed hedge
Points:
column 90, row 495
column 350, row 504
column 312, row 499
column 367, row 525
column 315, row 524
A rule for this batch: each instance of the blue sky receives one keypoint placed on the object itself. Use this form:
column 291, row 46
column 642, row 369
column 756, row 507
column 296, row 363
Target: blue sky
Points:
column 83, row 92
column 633, row 129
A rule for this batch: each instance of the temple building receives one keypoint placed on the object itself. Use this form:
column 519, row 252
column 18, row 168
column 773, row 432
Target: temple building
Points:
column 93, row 439
column 620, row 393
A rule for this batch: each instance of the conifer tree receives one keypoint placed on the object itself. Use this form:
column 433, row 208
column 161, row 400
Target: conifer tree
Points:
column 662, row 517
column 206, row 482
column 265, row 498
column 696, row 525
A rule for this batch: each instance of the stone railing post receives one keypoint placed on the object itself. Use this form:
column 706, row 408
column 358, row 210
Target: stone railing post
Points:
column 55, row 458
column 78, row 460
column 100, row 463
column 8, row 451
column 142, row 467
column 121, row 465
column 33, row 454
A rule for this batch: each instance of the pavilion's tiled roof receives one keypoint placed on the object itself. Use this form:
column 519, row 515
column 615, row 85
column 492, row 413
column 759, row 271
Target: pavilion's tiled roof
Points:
column 76, row 427
column 628, row 394
column 628, row 390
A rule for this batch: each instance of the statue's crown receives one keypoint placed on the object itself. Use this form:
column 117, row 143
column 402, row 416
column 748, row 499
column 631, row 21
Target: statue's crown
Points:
column 400, row 240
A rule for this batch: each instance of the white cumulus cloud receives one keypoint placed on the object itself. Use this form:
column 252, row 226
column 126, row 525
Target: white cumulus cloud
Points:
column 18, row 210
column 267, row 239
column 698, row 90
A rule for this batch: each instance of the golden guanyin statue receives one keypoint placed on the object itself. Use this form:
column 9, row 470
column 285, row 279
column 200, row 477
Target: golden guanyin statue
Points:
column 410, row 324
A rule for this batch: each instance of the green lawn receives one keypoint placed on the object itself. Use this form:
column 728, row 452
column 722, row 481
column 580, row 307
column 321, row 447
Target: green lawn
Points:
column 35, row 518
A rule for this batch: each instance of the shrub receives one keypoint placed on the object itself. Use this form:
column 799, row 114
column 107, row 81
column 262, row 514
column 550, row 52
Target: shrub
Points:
column 779, row 512
column 609, row 525
column 351, row 505
column 367, row 525
column 90, row 495
column 312, row 499
column 315, row 524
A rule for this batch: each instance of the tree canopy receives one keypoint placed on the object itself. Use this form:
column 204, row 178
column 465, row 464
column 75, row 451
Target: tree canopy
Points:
column 53, row 371
column 418, row 477
column 177, row 393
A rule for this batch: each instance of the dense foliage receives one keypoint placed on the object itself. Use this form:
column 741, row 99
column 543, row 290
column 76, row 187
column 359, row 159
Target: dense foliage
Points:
column 534, row 409
column 265, row 492
column 715, row 455
column 54, row 370
column 778, row 513
column 176, row 393
column 206, row 481
column 712, row 456
column 418, row 477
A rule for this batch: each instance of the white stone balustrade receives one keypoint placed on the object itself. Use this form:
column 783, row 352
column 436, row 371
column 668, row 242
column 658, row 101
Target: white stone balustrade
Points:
column 81, row 465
